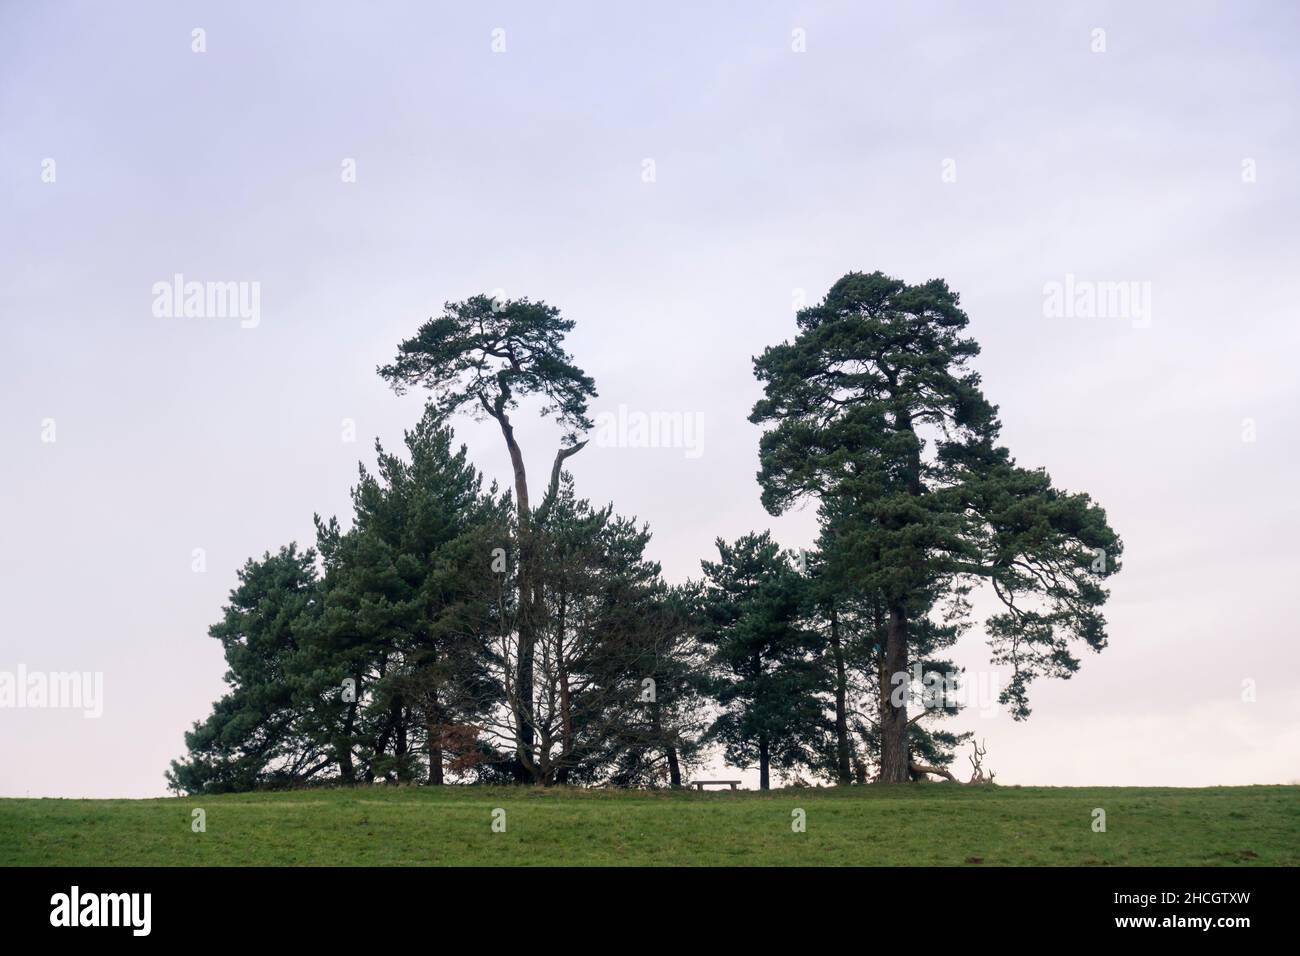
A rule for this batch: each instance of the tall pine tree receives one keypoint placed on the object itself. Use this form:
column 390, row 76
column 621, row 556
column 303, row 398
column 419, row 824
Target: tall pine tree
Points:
column 874, row 402
column 487, row 354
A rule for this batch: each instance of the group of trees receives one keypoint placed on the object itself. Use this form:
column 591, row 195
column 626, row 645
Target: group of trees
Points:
column 457, row 631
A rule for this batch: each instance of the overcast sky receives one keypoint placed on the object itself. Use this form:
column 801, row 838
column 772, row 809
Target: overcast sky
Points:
column 674, row 177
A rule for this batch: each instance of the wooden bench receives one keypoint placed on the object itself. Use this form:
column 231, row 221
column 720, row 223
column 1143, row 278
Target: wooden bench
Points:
column 701, row 784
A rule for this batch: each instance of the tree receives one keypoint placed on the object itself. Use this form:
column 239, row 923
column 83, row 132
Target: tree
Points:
column 488, row 354
column 873, row 403
column 769, row 680
column 666, row 737
column 606, row 633
column 408, row 607
column 382, row 664
column 258, row 733
column 854, row 622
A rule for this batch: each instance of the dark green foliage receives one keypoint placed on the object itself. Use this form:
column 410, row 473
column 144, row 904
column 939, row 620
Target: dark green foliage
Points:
column 396, row 661
column 613, row 699
column 258, row 733
column 408, row 607
column 857, row 620
column 381, row 667
column 490, row 353
column 768, row 678
column 873, row 405
column 453, row 631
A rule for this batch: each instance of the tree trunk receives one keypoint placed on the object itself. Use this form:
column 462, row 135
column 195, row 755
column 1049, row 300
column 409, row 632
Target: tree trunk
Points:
column 399, row 749
column 566, row 699
column 764, row 761
column 381, row 746
column 895, row 761
column 919, row 769
column 657, row 734
column 528, row 575
column 895, row 758
column 433, row 729
column 844, row 770
column 523, row 702
column 435, row 763
column 344, row 745
column 674, row 769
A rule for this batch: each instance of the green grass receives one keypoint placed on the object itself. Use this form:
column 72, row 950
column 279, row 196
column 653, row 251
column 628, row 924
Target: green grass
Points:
column 927, row 824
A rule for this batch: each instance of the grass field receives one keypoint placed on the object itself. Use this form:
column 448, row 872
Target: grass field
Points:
column 930, row 824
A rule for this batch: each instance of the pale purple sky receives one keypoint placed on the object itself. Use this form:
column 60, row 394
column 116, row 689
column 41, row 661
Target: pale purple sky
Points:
column 775, row 171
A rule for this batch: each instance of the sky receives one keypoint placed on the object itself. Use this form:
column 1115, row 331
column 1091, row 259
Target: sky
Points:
column 677, row 179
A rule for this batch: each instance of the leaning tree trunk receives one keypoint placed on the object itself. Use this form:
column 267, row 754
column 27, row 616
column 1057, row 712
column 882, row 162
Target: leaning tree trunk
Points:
column 531, row 596
column 674, row 768
column 895, row 760
column 670, row 752
column 523, row 698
